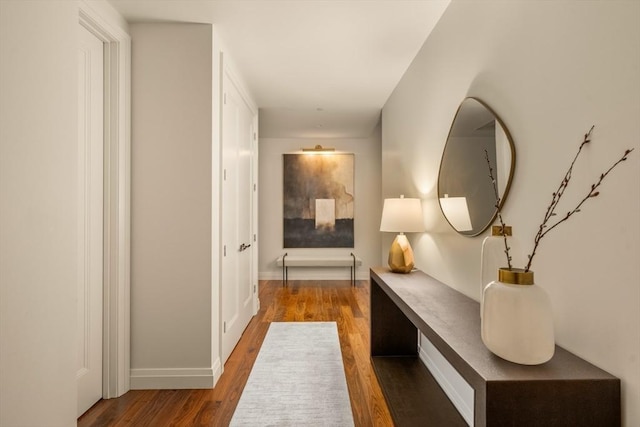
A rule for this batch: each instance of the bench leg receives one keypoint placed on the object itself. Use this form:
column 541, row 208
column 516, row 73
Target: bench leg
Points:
column 353, row 271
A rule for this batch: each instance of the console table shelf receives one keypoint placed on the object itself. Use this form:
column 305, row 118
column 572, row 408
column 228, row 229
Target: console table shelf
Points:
column 565, row 391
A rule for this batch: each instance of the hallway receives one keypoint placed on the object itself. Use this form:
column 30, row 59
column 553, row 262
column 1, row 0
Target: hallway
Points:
column 300, row 301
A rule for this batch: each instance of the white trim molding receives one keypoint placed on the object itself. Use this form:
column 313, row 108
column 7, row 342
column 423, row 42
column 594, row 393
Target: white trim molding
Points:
column 217, row 371
column 104, row 23
column 457, row 389
column 314, row 274
column 163, row 379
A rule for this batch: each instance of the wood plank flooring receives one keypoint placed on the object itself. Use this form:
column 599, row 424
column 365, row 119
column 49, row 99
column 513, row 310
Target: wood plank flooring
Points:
column 301, row 301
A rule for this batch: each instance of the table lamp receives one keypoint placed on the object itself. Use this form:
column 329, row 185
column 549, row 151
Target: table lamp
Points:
column 401, row 216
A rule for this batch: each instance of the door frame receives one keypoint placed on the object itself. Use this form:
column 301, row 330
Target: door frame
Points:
column 117, row 191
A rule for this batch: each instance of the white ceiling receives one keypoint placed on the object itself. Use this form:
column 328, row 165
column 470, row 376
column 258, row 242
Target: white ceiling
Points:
column 316, row 68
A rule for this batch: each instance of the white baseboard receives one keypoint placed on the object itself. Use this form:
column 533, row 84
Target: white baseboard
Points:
column 304, row 273
column 269, row 275
column 457, row 389
column 217, row 371
column 186, row 378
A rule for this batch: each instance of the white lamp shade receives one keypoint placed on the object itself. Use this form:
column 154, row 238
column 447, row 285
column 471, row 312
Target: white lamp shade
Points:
column 402, row 216
column 456, row 211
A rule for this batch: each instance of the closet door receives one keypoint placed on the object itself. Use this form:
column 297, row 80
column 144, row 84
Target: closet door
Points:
column 90, row 218
column 236, row 287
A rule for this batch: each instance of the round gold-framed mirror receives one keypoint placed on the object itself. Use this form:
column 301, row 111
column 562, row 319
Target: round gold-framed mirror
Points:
column 465, row 191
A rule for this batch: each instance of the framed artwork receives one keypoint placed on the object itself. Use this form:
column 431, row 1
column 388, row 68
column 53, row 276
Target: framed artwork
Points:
column 318, row 200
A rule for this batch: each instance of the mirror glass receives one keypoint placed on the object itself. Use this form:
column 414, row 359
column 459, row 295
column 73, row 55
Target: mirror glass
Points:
column 465, row 191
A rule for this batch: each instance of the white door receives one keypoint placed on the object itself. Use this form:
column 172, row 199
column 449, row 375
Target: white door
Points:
column 237, row 290
column 90, row 219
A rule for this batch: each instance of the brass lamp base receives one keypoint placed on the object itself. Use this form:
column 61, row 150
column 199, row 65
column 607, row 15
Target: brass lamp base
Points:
column 401, row 255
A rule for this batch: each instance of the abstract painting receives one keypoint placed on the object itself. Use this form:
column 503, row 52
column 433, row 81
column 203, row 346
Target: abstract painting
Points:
column 318, row 200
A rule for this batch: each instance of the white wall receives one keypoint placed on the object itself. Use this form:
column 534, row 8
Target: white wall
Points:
column 550, row 70
column 171, row 266
column 368, row 207
column 38, row 163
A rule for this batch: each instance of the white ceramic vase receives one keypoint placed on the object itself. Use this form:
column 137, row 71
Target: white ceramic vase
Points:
column 517, row 320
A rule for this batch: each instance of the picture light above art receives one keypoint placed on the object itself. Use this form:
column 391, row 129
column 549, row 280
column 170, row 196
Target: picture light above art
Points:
column 318, row 149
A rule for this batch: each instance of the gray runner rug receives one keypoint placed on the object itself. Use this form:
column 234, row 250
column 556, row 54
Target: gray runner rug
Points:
column 297, row 380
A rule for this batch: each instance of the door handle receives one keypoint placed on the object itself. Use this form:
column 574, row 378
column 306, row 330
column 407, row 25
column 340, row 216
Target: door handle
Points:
column 244, row 247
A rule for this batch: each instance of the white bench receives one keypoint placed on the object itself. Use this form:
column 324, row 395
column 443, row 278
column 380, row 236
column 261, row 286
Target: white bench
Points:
column 286, row 261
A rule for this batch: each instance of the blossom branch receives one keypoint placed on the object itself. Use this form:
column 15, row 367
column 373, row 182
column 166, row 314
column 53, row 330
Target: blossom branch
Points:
column 498, row 199
column 591, row 193
column 557, row 195
column 555, row 199
column 544, row 229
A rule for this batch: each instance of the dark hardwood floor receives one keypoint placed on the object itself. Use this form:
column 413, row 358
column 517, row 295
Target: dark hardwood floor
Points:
column 300, row 301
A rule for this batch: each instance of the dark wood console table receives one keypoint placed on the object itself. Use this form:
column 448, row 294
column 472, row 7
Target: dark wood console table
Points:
column 566, row 391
